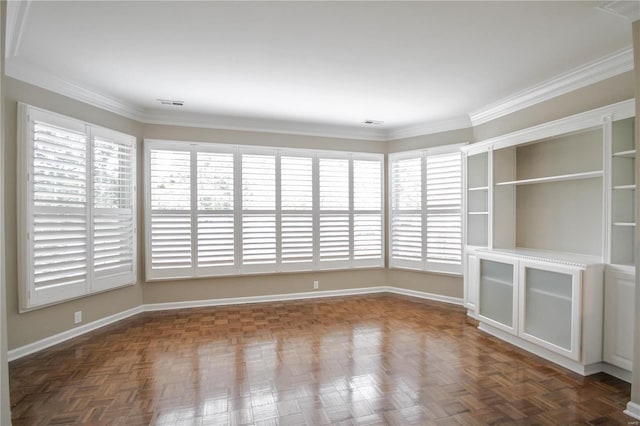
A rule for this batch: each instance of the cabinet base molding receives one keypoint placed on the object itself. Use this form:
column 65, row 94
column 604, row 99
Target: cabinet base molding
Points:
column 633, row 410
column 583, row 370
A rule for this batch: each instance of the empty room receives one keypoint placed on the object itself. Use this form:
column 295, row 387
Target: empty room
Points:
column 319, row 212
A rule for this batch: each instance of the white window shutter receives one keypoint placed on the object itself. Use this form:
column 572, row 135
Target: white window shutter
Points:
column 114, row 236
column 406, row 212
column 76, row 195
column 334, row 212
column 296, row 193
column 215, row 232
column 59, row 229
column 367, row 206
column 258, row 212
column 444, row 212
column 170, row 213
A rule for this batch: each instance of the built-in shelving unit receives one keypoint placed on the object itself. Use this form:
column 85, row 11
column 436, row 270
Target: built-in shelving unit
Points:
column 556, row 202
column 622, row 213
column 477, row 202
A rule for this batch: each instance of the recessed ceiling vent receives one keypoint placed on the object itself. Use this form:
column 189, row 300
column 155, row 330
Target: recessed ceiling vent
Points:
column 372, row 122
column 170, row 102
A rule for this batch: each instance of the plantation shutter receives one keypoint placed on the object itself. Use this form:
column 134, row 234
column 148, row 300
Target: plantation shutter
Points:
column 334, row 212
column 170, row 205
column 296, row 194
column 444, row 212
column 76, row 185
column 114, row 242
column 367, row 206
column 216, row 235
column 406, row 212
column 258, row 212
column 59, row 216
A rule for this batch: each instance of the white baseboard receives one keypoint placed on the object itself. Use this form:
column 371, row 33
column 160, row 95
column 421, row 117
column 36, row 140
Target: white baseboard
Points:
column 25, row 350
column 633, row 410
column 150, row 307
column 78, row 331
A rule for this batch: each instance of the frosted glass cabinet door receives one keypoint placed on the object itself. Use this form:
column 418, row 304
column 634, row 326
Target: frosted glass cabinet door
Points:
column 550, row 307
column 497, row 292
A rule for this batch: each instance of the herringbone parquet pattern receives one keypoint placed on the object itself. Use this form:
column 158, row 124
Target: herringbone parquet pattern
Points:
column 357, row 360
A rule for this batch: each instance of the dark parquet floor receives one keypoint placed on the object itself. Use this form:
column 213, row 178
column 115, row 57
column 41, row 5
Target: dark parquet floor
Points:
column 355, row 360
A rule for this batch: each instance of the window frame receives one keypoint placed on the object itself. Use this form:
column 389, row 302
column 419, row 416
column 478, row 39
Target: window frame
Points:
column 30, row 297
column 239, row 269
column 424, row 264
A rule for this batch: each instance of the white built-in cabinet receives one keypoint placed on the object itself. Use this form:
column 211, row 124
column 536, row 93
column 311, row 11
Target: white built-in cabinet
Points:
column 550, row 219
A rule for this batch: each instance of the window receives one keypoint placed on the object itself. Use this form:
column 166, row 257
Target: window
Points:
column 426, row 210
column 77, row 192
column 224, row 210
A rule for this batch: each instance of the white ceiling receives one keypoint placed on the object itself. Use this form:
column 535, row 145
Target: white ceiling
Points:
column 320, row 64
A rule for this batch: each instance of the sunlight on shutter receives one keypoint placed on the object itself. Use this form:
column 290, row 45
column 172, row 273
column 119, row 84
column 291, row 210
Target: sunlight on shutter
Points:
column 113, row 210
column 444, row 208
column 334, row 197
column 296, row 203
column 367, row 199
column 258, row 205
column 59, row 206
column 215, row 209
column 406, row 209
column 170, row 187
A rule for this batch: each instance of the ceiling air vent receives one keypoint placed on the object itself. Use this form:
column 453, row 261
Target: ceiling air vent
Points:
column 170, row 102
column 373, row 122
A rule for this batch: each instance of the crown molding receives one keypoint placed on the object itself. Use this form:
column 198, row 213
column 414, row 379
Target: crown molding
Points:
column 624, row 9
column 455, row 123
column 606, row 67
column 17, row 12
column 30, row 74
column 248, row 124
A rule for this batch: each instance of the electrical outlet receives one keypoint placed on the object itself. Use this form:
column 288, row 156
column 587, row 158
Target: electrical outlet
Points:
column 316, row 285
column 77, row 317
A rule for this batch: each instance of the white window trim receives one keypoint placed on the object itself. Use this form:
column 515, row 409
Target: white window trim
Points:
column 423, row 264
column 239, row 269
column 29, row 298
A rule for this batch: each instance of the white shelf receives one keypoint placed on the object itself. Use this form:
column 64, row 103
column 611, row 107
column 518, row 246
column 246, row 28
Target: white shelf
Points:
column 559, row 178
column 497, row 281
column 479, row 188
column 626, row 154
column 477, row 213
column 574, row 259
column 624, row 187
column 550, row 294
column 624, row 224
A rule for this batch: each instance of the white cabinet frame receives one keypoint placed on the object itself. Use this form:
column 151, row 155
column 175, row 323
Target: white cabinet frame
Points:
column 513, row 329
column 576, row 306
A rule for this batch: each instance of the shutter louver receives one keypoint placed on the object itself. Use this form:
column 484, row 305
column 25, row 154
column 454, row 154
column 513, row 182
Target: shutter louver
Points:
column 334, row 210
column 444, row 210
column 170, row 186
column 296, row 194
column 59, row 224
column 216, row 246
column 406, row 212
column 113, row 220
column 367, row 221
column 258, row 209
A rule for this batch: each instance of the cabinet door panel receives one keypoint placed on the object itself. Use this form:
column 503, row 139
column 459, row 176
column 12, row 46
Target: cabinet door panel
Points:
column 550, row 307
column 618, row 318
column 497, row 292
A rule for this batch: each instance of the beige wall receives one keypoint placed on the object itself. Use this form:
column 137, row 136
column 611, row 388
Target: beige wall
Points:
column 428, row 141
column 606, row 92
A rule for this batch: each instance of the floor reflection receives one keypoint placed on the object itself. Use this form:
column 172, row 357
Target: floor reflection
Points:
column 365, row 360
